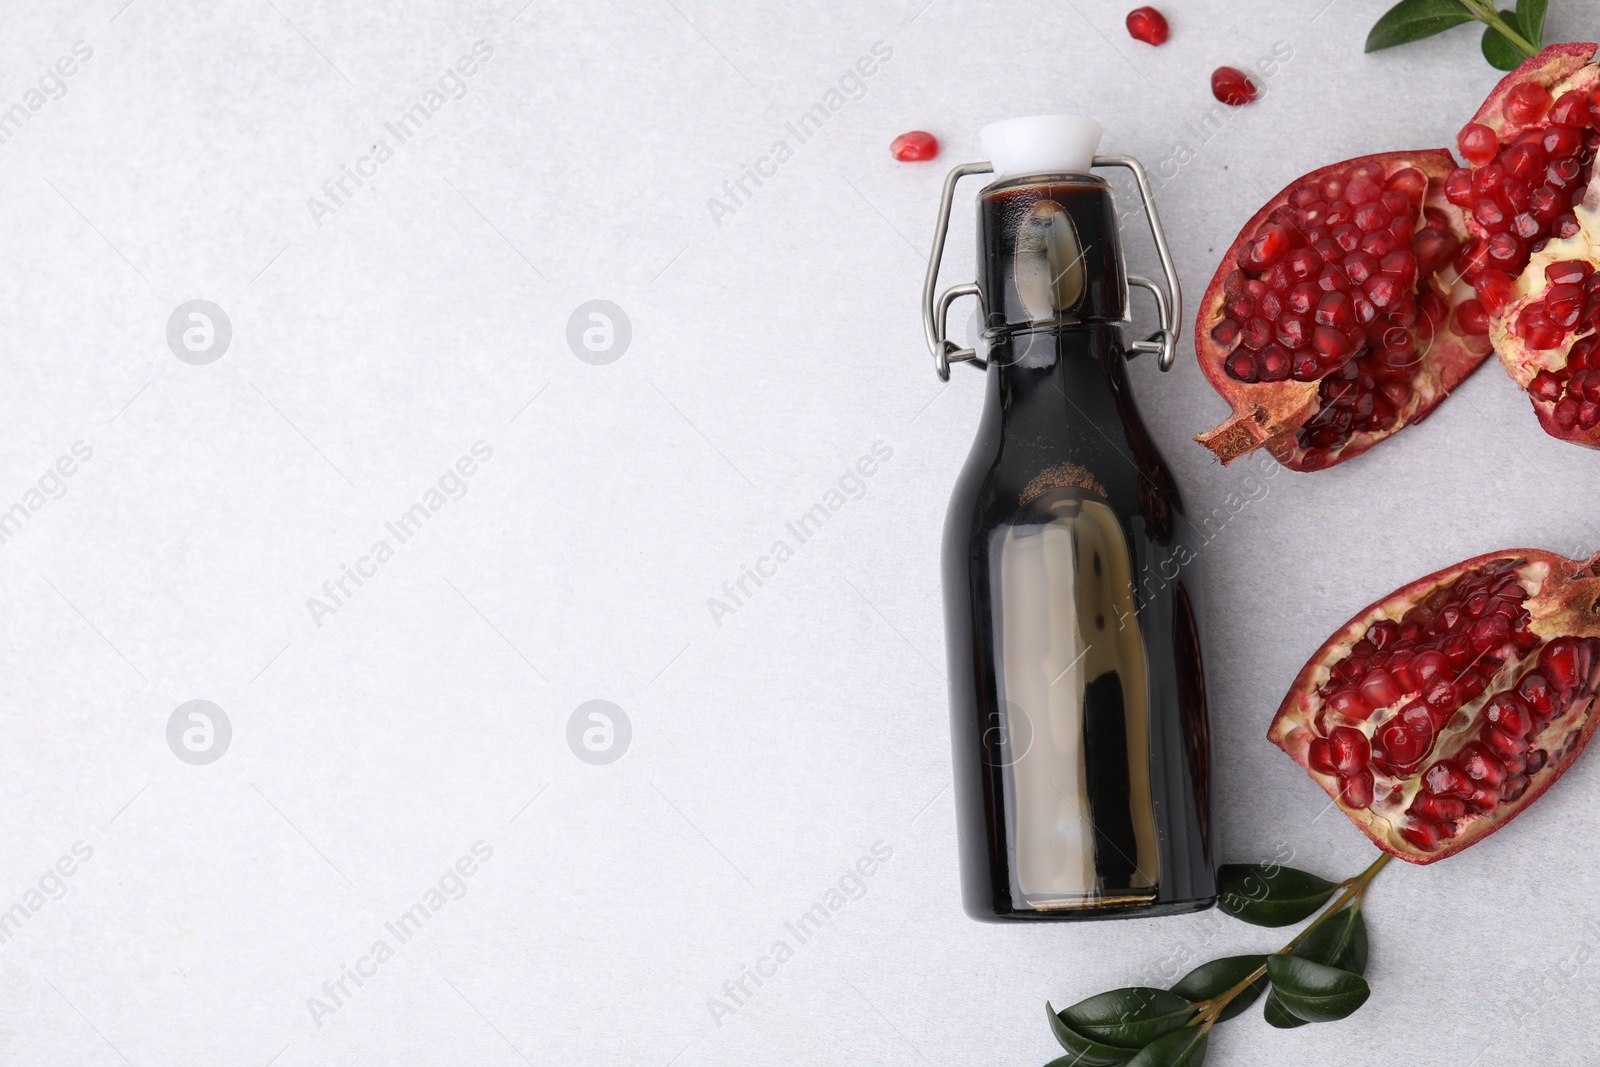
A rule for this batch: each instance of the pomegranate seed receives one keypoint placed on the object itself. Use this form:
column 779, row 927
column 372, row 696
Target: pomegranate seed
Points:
column 1535, row 688
column 1546, row 203
column 1438, row 808
column 1422, row 835
column 1445, row 779
column 1349, row 749
column 1293, row 331
column 1232, row 86
column 1505, row 743
column 1334, row 310
column 1568, row 272
column 1319, row 754
column 1225, row 332
column 1563, row 304
column 1304, row 263
column 1478, row 143
column 1535, row 327
column 1513, row 195
column 1527, row 102
column 1481, row 765
column 1302, row 298
column 1559, row 663
column 1349, row 703
column 1410, row 182
column 1514, row 788
column 918, row 146
column 1536, row 760
column 1148, row 25
column 1382, row 289
column 1473, row 257
column 1523, row 160
column 1433, row 249
column 1471, row 319
column 1273, row 363
column 1271, row 244
column 1571, row 110
column 1506, row 252
column 1494, row 289
column 1489, row 213
column 1510, row 712
column 1332, row 346
column 1356, row 789
column 1257, row 333
column 1565, row 413
column 1483, row 799
column 1545, row 386
column 1359, row 266
column 1429, row 665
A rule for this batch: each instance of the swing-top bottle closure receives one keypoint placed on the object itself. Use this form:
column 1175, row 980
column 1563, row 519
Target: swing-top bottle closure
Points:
column 1049, row 271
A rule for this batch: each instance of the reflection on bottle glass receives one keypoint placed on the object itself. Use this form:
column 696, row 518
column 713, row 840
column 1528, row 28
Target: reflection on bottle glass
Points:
column 1080, row 795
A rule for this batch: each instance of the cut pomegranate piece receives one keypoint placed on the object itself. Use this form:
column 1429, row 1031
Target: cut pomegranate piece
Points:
column 1232, row 86
column 918, row 146
column 1385, row 332
column 1477, row 690
column 1505, row 251
column 1148, row 25
column 1530, row 151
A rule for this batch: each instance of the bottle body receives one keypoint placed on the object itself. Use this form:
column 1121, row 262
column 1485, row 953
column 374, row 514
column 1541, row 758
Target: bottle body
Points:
column 1077, row 690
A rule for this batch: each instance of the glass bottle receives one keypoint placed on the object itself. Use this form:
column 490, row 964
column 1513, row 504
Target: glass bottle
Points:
column 1077, row 692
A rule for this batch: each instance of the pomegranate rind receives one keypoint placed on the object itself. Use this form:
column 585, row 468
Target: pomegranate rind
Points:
column 1564, row 600
column 1267, row 414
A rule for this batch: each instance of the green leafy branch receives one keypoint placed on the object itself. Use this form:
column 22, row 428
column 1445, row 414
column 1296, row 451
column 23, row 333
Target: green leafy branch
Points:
column 1509, row 37
column 1316, row 977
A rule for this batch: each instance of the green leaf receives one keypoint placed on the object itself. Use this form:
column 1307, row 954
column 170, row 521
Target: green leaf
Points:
column 1316, row 992
column 1083, row 1051
column 1501, row 53
column 1279, row 1016
column 1268, row 894
column 1530, row 19
column 1182, row 1048
column 1412, row 20
column 1340, row 941
column 1217, row 977
column 1130, row 1018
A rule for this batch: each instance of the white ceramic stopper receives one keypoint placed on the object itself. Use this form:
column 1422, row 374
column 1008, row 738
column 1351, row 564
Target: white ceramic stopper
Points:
column 1042, row 144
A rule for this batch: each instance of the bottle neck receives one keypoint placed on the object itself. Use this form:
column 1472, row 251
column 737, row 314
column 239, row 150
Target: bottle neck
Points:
column 1052, row 384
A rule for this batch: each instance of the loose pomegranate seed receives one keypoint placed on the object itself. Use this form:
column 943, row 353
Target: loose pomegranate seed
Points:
column 1232, row 86
column 917, row 146
column 1148, row 25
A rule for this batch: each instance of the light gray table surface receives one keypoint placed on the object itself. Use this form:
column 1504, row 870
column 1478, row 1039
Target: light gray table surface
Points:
column 382, row 333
